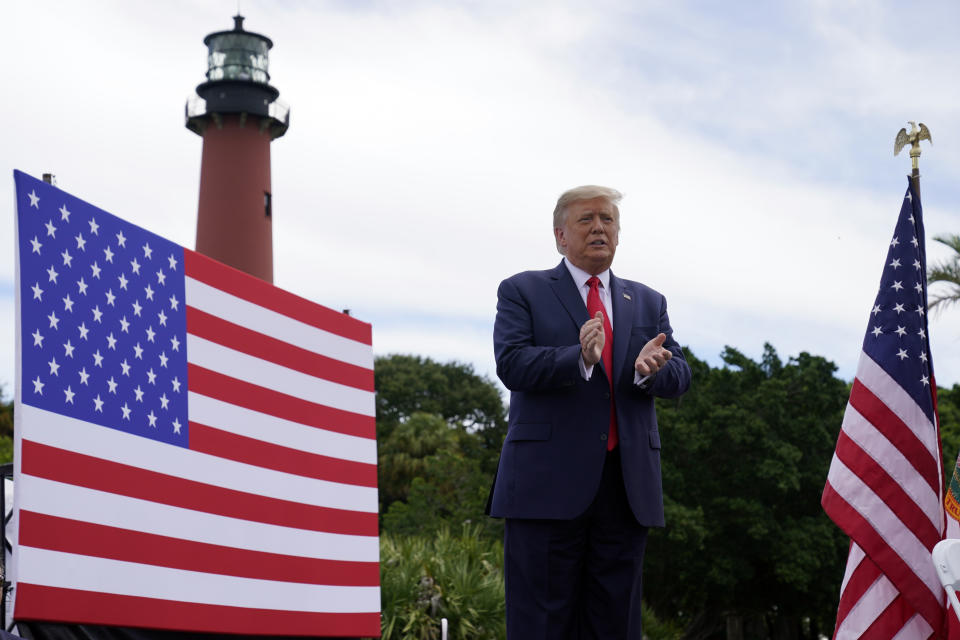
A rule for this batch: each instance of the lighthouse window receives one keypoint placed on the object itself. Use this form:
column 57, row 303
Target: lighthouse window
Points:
column 267, row 204
column 234, row 56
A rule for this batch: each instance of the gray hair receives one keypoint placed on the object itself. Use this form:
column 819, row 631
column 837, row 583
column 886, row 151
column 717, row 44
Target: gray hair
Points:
column 586, row 192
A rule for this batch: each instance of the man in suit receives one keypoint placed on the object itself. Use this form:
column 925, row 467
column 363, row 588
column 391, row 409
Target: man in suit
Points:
column 579, row 474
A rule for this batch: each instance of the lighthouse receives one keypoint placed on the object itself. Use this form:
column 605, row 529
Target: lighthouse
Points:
column 237, row 114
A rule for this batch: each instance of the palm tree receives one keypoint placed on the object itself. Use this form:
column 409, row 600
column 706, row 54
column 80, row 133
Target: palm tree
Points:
column 948, row 272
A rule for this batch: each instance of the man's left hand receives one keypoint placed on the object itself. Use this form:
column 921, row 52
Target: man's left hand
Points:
column 653, row 356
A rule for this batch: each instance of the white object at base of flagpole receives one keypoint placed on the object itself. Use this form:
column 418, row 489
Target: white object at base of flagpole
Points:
column 946, row 560
column 443, row 628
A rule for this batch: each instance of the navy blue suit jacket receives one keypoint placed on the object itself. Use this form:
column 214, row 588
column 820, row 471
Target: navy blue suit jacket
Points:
column 556, row 444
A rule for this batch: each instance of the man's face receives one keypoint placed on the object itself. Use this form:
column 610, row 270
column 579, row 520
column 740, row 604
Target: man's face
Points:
column 590, row 234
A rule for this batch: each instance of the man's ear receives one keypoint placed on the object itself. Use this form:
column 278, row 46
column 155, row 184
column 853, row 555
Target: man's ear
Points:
column 558, row 234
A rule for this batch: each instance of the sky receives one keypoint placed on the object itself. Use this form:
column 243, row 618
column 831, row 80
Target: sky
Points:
column 429, row 141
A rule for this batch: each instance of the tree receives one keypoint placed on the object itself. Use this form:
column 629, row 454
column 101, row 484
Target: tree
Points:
column 452, row 492
column 6, row 419
column 948, row 408
column 745, row 457
column 747, row 551
column 439, row 430
column 403, row 455
column 410, row 384
column 946, row 272
column 6, row 430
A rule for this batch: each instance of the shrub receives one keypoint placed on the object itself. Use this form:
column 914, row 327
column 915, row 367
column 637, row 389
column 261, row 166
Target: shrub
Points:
column 424, row 579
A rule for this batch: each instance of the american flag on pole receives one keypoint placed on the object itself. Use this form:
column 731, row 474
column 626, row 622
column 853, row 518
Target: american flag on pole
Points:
column 195, row 448
column 885, row 484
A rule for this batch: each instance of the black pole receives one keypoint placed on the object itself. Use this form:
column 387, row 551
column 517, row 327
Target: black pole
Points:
column 6, row 471
column 3, row 549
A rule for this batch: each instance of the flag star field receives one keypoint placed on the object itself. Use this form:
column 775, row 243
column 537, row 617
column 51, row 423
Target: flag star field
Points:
column 897, row 331
column 103, row 305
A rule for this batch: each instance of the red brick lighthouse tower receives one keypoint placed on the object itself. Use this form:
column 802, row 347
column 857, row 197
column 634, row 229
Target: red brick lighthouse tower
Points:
column 237, row 114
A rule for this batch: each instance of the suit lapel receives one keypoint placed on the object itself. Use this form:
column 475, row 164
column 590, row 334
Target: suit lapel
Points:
column 566, row 290
column 623, row 308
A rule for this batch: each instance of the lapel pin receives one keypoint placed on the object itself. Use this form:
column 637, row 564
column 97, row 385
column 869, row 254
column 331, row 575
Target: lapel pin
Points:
column 627, row 296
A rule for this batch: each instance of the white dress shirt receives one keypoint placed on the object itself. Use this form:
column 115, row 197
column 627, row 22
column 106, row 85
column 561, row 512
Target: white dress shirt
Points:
column 580, row 278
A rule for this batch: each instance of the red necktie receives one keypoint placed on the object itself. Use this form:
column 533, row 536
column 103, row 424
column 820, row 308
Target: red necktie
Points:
column 593, row 305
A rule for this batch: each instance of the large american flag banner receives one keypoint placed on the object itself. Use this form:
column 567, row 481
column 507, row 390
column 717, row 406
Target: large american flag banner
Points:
column 885, row 484
column 195, row 448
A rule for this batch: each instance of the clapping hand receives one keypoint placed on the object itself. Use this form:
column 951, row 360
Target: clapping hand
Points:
column 652, row 357
column 592, row 339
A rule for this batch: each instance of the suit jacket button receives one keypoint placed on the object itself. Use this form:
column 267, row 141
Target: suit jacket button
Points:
column 606, row 395
column 603, row 436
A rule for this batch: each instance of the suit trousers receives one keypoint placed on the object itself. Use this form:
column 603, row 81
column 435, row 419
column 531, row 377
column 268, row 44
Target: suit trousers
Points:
column 579, row 579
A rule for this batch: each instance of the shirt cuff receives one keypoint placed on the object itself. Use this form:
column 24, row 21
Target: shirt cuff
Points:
column 585, row 371
column 638, row 379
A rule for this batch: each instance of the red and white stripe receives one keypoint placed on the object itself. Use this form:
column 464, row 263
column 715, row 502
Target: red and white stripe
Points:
column 885, row 490
column 266, row 524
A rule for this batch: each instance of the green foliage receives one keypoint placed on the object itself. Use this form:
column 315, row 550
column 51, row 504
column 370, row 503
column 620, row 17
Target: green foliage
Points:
column 946, row 274
column 656, row 629
column 948, row 406
column 6, row 430
column 745, row 457
column 6, row 417
column 452, row 492
column 439, row 429
column 410, row 384
column 403, row 454
column 426, row 578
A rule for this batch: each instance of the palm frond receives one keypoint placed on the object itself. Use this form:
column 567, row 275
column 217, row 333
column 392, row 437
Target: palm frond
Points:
column 951, row 240
column 946, row 274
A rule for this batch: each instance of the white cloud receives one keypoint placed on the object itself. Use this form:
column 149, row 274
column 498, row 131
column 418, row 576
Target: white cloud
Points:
column 428, row 142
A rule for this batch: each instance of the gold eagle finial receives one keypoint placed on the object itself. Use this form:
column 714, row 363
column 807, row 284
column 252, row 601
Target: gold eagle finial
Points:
column 912, row 138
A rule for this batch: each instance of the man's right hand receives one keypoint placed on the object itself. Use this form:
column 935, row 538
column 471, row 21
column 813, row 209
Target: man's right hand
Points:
column 592, row 339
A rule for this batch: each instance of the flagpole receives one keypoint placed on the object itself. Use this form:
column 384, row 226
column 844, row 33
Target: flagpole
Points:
column 913, row 138
column 895, row 367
